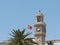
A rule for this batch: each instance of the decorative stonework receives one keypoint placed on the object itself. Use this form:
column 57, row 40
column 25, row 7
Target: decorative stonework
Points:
column 40, row 29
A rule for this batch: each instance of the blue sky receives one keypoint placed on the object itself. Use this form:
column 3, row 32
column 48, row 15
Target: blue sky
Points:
column 17, row 14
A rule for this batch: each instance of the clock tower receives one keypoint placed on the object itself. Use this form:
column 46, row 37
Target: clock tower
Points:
column 40, row 29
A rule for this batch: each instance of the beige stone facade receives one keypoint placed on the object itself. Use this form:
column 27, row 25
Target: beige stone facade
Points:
column 40, row 29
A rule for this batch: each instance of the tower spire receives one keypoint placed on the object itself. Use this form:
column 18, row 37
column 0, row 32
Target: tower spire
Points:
column 39, row 11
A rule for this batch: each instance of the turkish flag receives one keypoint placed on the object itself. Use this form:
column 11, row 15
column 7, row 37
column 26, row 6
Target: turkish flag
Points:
column 30, row 27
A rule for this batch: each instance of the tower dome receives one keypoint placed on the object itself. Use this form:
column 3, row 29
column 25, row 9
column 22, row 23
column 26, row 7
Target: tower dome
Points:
column 39, row 15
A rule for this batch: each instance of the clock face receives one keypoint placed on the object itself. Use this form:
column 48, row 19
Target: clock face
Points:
column 38, row 28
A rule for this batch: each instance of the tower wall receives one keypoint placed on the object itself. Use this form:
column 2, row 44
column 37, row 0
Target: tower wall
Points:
column 40, row 29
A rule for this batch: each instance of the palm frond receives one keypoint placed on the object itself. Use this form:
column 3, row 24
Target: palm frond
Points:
column 24, row 36
column 20, row 38
column 23, row 31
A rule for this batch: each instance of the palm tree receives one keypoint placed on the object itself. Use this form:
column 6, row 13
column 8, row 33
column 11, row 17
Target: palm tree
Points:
column 50, row 42
column 20, row 38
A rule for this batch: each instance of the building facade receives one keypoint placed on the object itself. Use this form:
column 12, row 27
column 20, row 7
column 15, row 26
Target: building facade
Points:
column 40, row 29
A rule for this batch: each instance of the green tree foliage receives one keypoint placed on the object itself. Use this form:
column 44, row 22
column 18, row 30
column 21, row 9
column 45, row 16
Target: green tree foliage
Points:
column 50, row 42
column 20, row 38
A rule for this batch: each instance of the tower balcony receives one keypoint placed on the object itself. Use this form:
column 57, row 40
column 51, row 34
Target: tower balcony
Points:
column 40, row 23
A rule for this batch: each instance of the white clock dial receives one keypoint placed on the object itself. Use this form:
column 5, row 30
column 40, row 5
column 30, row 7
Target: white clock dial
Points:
column 38, row 29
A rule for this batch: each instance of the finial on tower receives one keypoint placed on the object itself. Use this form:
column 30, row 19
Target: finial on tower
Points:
column 39, row 11
column 39, row 14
